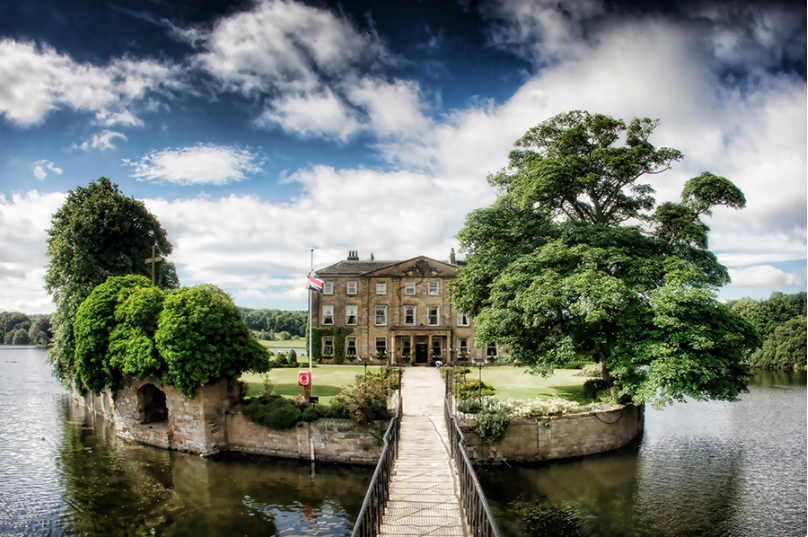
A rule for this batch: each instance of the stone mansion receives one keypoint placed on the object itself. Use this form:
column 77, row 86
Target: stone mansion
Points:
column 397, row 311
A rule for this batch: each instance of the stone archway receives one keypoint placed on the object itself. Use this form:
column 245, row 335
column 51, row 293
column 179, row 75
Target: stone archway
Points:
column 152, row 404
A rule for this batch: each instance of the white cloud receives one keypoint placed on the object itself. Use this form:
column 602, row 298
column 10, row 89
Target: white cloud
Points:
column 765, row 275
column 284, row 45
column 23, row 221
column 315, row 74
column 311, row 115
column 41, row 168
column 35, row 80
column 102, row 140
column 198, row 165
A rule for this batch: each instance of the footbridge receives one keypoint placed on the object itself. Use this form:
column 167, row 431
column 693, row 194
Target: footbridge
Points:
column 428, row 492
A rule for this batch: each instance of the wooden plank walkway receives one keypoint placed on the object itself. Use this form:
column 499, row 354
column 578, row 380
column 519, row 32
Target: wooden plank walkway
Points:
column 424, row 490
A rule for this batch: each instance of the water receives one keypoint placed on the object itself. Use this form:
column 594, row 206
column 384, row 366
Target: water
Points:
column 699, row 469
column 64, row 472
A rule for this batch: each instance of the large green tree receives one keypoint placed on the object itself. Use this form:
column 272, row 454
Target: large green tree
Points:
column 576, row 258
column 185, row 337
column 97, row 233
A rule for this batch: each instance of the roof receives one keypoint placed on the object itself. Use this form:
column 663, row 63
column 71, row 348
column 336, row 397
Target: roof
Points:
column 354, row 268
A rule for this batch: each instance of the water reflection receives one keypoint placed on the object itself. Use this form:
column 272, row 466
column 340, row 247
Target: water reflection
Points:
column 706, row 469
column 66, row 473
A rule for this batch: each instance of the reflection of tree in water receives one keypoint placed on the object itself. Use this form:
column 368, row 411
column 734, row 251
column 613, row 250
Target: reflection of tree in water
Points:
column 112, row 487
column 580, row 497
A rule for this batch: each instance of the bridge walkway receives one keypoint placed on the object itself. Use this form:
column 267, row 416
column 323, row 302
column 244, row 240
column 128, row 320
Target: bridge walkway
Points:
column 424, row 490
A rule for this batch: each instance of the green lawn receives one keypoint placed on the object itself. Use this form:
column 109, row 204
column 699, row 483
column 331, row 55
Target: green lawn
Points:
column 515, row 383
column 288, row 344
column 327, row 381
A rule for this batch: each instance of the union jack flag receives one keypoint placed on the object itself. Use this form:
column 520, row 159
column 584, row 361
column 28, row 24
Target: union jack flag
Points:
column 315, row 282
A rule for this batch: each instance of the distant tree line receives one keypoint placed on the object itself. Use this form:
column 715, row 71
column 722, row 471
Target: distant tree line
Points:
column 20, row 329
column 781, row 322
column 272, row 323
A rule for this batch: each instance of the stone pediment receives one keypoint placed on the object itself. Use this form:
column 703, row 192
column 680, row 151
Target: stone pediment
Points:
column 418, row 267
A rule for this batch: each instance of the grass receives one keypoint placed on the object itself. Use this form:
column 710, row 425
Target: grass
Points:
column 288, row 344
column 516, row 383
column 327, row 381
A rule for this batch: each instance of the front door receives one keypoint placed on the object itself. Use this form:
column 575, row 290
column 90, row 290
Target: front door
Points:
column 421, row 355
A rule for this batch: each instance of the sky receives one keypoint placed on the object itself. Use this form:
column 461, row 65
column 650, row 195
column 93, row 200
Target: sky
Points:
column 258, row 130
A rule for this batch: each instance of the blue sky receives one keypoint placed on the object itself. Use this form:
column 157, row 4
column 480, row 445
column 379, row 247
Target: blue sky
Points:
column 258, row 130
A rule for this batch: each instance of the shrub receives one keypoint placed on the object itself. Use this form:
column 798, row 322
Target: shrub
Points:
column 491, row 425
column 362, row 403
column 531, row 408
column 593, row 387
column 292, row 357
column 284, row 336
column 472, row 389
column 272, row 411
column 594, row 371
column 469, row 406
column 280, row 359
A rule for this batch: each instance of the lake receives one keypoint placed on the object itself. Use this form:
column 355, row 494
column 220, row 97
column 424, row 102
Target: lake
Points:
column 698, row 469
column 64, row 472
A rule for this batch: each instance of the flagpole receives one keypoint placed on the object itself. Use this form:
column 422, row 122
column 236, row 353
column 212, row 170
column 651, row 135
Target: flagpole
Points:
column 311, row 326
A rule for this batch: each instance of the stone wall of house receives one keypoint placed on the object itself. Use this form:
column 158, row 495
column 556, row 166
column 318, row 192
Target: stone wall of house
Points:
column 556, row 437
column 332, row 440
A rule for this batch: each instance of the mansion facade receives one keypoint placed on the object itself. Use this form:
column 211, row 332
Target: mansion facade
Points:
column 396, row 311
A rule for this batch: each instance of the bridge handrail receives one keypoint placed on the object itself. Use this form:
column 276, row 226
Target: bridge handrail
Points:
column 370, row 516
column 478, row 513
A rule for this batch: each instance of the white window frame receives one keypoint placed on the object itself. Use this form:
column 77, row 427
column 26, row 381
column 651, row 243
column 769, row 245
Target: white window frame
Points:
column 376, row 316
column 488, row 351
column 348, row 340
column 409, row 286
column 328, row 311
column 436, row 286
column 462, row 319
column 328, row 288
column 355, row 288
column 328, row 341
column 429, row 316
column 376, row 348
column 414, row 315
column 348, row 310
column 381, row 288
column 461, row 347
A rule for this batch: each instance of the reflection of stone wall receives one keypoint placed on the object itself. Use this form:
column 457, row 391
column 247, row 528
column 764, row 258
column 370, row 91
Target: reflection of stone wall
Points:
column 208, row 424
column 334, row 440
column 557, row 437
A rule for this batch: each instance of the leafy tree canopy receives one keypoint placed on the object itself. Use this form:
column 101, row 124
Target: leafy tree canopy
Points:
column 780, row 320
column 575, row 258
column 97, row 233
column 186, row 337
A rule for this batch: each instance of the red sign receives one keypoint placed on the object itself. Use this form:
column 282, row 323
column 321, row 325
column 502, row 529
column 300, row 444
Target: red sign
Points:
column 304, row 378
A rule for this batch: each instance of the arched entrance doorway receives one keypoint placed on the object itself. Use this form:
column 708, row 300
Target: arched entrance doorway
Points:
column 152, row 404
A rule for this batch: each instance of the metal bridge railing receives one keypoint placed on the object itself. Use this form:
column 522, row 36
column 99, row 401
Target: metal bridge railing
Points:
column 478, row 513
column 370, row 516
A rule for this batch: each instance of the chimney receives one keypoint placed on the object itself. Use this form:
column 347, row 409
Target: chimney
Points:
column 371, row 257
column 353, row 255
column 452, row 259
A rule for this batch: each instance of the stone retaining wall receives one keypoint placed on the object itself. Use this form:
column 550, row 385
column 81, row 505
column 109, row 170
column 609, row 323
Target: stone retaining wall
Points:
column 556, row 437
column 332, row 440
column 211, row 422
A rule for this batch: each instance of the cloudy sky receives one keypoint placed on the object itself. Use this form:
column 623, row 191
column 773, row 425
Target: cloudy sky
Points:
column 258, row 130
